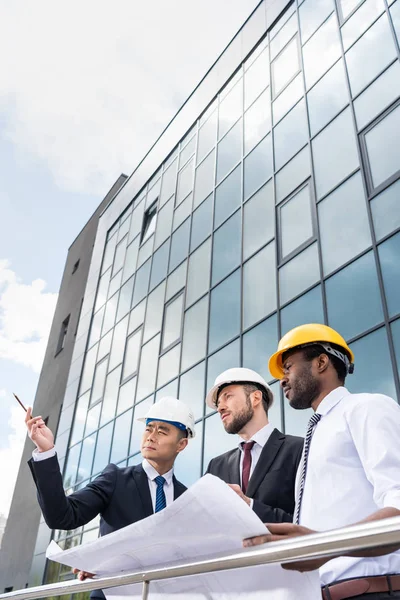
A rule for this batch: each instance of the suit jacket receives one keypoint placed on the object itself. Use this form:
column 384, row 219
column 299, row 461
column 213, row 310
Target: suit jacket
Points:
column 271, row 484
column 120, row 496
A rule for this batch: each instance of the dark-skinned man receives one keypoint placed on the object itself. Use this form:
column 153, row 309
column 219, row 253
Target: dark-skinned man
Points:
column 350, row 469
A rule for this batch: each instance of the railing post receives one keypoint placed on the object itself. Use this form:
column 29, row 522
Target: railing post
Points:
column 146, row 589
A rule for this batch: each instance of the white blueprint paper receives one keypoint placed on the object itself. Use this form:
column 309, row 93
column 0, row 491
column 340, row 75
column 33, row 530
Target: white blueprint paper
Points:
column 208, row 519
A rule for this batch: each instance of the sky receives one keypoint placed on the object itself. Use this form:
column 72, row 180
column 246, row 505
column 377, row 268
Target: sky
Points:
column 85, row 89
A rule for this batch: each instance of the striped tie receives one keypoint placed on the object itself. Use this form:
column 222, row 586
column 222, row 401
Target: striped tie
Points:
column 307, row 442
column 160, row 495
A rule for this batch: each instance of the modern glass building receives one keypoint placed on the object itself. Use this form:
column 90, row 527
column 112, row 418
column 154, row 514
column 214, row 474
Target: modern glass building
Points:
column 272, row 199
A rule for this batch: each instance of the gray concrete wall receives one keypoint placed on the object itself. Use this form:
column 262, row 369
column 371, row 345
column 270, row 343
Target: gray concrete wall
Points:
column 20, row 535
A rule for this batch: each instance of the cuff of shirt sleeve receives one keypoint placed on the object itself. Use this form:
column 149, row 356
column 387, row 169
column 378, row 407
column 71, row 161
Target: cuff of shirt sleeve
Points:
column 38, row 456
column 392, row 499
column 251, row 503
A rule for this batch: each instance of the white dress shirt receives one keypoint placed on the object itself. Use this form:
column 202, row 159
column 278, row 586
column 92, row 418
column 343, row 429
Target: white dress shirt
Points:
column 38, row 456
column 353, row 470
column 168, row 485
column 260, row 438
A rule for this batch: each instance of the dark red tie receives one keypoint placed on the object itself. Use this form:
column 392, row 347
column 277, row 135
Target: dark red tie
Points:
column 247, row 446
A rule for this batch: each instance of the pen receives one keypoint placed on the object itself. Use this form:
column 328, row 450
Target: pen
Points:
column 18, row 400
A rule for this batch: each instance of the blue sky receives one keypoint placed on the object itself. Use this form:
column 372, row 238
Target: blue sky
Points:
column 84, row 91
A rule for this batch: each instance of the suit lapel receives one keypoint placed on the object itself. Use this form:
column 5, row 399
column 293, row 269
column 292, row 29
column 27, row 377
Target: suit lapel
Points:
column 234, row 467
column 179, row 488
column 142, row 485
column 265, row 462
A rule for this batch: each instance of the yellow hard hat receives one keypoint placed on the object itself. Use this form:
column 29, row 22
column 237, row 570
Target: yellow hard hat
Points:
column 306, row 335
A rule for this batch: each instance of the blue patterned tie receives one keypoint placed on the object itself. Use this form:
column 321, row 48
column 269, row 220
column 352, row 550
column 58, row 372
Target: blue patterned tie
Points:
column 307, row 442
column 160, row 495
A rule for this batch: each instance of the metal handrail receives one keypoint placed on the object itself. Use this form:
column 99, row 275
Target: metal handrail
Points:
column 327, row 544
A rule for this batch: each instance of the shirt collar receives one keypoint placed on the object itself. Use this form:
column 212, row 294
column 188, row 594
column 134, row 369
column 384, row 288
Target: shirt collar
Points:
column 152, row 473
column 260, row 437
column 330, row 401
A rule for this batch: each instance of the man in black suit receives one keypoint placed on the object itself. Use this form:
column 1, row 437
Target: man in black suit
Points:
column 262, row 470
column 121, row 496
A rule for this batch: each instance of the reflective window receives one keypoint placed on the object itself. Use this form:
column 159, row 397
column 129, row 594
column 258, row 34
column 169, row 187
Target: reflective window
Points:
column 171, row 389
column 187, row 151
column 159, row 265
column 79, row 418
column 378, row 96
column 95, row 328
column 164, row 223
column 225, row 311
column 258, row 167
column 115, row 284
column 328, row 97
column 92, row 420
column 168, row 183
column 226, row 358
column 179, row 245
column 136, row 317
column 347, row 6
column 102, row 290
column 389, row 253
column 110, row 396
column 353, row 298
column 136, row 222
column 149, row 223
column 386, row 210
column 257, row 122
column 98, row 381
column 295, row 218
column 382, row 143
column 227, row 247
column 102, row 454
column 201, row 223
column 256, row 78
column 125, row 297
column 191, row 389
column 109, row 254
column 290, row 134
column 299, row 273
column 172, row 322
column 229, row 151
column 207, row 137
column 288, row 98
column 110, row 314
column 141, row 283
column 293, row 174
column 259, row 344
column 335, row 153
column 86, row 460
column 105, row 345
column 126, row 396
column 185, row 182
column 168, row 366
column 204, row 179
column 321, row 51
column 198, row 280
column 147, row 369
column 194, row 334
column 306, row 309
column 119, row 255
column 216, row 440
column 343, row 238
column 130, row 259
column 258, row 220
column 362, row 18
column 375, row 49
column 188, row 464
column 279, row 41
column 395, row 14
column 230, row 109
column 118, row 344
column 132, row 354
column 154, row 312
column 228, row 196
column 88, row 369
column 285, row 66
column 140, row 411
column 182, row 211
column 122, row 430
column 259, row 286
column 312, row 14
column 176, row 281
column 372, row 376
column 71, row 466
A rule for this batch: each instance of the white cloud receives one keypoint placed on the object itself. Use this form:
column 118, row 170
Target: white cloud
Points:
column 26, row 313
column 92, row 84
column 10, row 457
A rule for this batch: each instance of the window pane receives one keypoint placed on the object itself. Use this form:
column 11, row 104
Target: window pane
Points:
column 168, row 183
column 126, row 397
column 173, row 322
column 191, row 389
column 136, row 317
column 327, row 98
column 288, row 98
column 119, row 255
column 225, row 311
column 296, row 221
column 101, row 296
column 259, row 286
column 85, row 463
column 187, row 151
column 306, row 309
column 179, row 245
column 110, row 314
column 199, row 272
column 299, row 273
column 257, row 122
column 259, row 344
column 125, row 297
column 176, row 281
column 395, row 14
column 382, row 147
column 99, row 381
column 105, row 345
column 226, row 358
column 159, row 265
column 185, row 182
column 321, row 51
column 386, row 210
column 122, row 432
column 335, row 153
column 141, row 283
column 378, row 96
column 118, row 344
column 168, row 367
column 115, row 284
column 279, row 41
column 216, row 440
column 389, row 253
column 92, row 421
column 88, row 370
column 154, row 312
column 258, row 220
column 136, row 222
column 148, row 367
column 130, row 259
column 348, row 6
column 375, row 49
column 227, row 247
column 71, row 466
column 207, row 136
column 95, row 328
column 375, row 375
column 285, row 66
column 290, row 134
column 230, row 109
column 353, row 298
column 102, row 454
column 188, row 464
column 195, row 334
column 341, row 239
column 258, row 167
column 171, row 389
column 229, row 151
column 360, row 21
column 256, row 78
column 182, row 211
column 293, row 174
column 228, row 196
column 201, row 223
column 204, row 179
column 80, row 418
column 312, row 14
column 110, row 396
column 132, row 354
column 164, row 223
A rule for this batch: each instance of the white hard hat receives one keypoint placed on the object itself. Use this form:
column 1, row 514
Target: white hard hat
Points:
column 236, row 375
column 173, row 411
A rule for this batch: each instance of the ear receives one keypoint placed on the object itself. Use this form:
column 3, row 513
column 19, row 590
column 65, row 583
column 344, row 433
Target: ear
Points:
column 323, row 363
column 256, row 398
column 183, row 442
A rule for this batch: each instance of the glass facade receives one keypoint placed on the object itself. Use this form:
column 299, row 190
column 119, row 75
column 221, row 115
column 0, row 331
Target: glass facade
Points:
column 281, row 206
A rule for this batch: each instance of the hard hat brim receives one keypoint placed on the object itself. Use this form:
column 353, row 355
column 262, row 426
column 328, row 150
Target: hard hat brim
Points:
column 211, row 397
column 275, row 365
column 191, row 433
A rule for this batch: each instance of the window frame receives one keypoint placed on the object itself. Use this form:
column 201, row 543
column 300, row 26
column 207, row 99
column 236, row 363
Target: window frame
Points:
column 178, row 340
column 148, row 216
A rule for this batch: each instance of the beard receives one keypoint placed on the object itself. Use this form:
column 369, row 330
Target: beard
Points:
column 304, row 390
column 241, row 419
